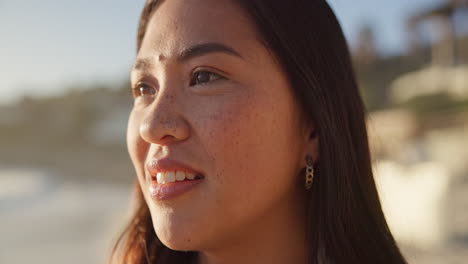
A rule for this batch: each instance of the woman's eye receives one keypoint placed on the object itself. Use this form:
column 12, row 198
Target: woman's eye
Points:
column 143, row 89
column 203, row 77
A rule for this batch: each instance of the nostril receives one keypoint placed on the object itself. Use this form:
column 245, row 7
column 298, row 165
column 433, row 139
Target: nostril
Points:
column 167, row 138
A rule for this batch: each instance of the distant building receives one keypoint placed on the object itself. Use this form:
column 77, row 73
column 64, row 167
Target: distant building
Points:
column 431, row 80
column 448, row 70
column 445, row 50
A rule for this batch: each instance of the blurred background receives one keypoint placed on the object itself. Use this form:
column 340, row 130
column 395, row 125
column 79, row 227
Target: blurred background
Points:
column 65, row 176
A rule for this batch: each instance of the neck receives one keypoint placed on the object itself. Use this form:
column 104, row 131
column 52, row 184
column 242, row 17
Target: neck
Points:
column 277, row 237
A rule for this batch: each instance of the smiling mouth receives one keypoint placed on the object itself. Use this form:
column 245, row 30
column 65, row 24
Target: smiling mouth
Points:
column 166, row 185
column 175, row 176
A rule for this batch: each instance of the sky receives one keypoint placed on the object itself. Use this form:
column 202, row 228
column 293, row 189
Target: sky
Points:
column 48, row 46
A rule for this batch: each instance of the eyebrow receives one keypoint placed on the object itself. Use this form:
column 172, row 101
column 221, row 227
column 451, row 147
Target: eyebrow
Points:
column 191, row 52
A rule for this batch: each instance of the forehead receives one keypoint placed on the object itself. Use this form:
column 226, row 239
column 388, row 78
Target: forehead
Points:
column 177, row 24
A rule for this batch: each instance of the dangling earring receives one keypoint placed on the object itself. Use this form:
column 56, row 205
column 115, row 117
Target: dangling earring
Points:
column 309, row 178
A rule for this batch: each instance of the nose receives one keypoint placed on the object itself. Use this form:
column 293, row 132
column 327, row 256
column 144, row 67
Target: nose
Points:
column 163, row 122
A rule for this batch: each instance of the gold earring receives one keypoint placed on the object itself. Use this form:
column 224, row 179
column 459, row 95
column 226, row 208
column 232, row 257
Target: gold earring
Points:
column 309, row 178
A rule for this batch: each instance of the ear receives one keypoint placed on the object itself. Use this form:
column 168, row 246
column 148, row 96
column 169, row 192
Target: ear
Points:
column 311, row 145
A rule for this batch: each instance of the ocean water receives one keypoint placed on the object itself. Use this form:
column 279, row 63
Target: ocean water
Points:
column 43, row 220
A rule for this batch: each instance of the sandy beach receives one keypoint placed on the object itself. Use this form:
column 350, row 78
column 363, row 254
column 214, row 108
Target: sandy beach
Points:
column 57, row 222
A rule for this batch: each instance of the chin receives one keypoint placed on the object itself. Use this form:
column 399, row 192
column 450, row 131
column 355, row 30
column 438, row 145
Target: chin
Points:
column 178, row 235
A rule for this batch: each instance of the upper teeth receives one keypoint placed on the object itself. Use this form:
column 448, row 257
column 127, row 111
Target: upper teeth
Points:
column 172, row 176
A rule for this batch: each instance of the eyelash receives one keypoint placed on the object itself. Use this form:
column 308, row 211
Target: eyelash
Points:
column 138, row 90
column 210, row 73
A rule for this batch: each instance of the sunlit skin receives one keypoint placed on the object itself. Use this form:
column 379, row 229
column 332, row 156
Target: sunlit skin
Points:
column 236, row 122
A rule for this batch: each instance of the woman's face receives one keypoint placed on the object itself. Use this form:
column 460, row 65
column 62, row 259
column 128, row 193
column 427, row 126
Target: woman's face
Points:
column 211, row 100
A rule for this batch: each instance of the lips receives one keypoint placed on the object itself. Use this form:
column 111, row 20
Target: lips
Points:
column 156, row 166
column 168, row 178
column 175, row 176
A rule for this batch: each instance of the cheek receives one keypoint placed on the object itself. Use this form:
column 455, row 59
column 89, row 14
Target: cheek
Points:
column 251, row 140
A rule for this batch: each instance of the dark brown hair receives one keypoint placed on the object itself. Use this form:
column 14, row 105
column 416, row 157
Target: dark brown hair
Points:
column 345, row 221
